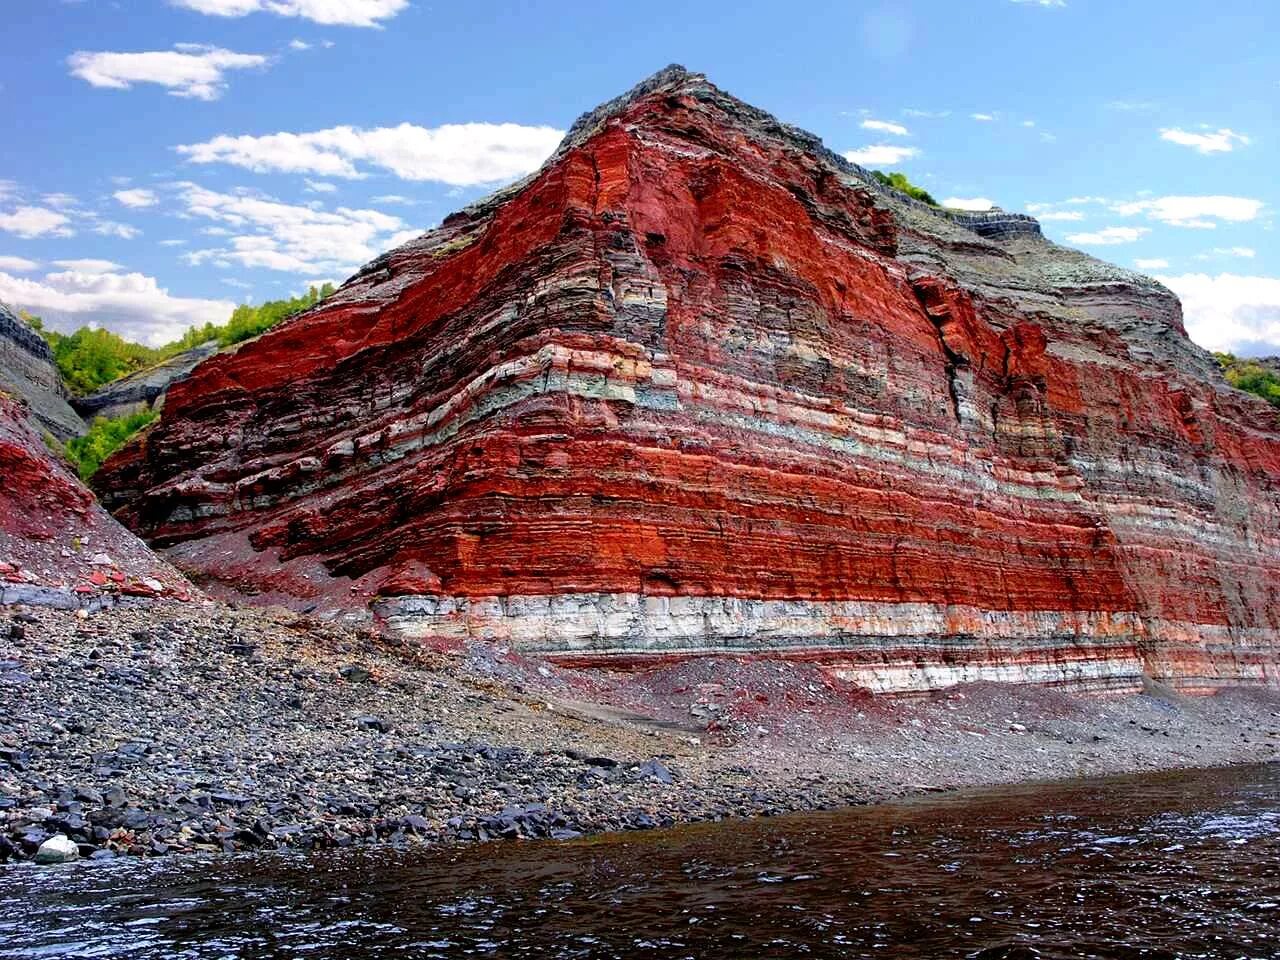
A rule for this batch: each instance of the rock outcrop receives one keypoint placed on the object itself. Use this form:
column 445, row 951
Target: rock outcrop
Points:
column 58, row 546
column 144, row 390
column 27, row 371
column 699, row 384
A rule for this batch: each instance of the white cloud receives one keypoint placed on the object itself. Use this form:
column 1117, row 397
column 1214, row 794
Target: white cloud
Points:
column 983, row 117
column 319, row 186
column 136, row 197
column 394, row 198
column 109, row 228
column 172, row 243
column 18, row 264
column 1247, row 253
column 1193, row 211
column 303, row 240
column 926, row 114
column 1154, row 263
column 968, row 203
column 189, row 70
column 1108, row 236
column 1240, row 314
column 347, row 13
column 1213, row 141
column 462, row 154
column 886, row 126
column 880, row 154
column 89, row 265
column 29, row 222
column 131, row 304
column 59, row 201
column 1028, row 123
column 1067, row 215
column 299, row 45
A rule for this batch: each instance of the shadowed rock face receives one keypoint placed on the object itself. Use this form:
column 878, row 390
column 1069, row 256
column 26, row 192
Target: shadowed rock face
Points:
column 700, row 384
column 27, row 371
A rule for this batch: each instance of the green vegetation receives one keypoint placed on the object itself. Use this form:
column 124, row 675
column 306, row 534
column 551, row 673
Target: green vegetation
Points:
column 1251, row 376
column 89, row 358
column 898, row 181
column 248, row 321
column 104, row 438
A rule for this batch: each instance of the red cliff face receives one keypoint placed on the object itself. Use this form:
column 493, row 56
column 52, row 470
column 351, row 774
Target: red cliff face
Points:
column 57, row 545
column 699, row 384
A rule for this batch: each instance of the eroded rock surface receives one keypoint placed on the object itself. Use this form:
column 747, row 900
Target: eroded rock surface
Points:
column 27, row 371
column 700, row 384
column 58, row 546
column 143, row 390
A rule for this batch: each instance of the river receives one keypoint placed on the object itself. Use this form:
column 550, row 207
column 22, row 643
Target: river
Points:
column 1158, row 866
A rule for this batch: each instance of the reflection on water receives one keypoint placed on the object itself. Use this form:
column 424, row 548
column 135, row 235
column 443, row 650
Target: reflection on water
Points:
column 1184, row 865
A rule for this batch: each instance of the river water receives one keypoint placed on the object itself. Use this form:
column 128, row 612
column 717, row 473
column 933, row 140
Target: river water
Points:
column 1179, row 865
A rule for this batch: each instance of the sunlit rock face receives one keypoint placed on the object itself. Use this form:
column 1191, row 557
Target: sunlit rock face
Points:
column 700, row 385
column 28, row 372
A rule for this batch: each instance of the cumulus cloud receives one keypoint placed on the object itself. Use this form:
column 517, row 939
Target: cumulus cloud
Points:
column 299, row 45
column 968, row 203
column 319, row 186
column 880, row 154
column 460, row 154
column 1200, row 212
column 886, row 126
column 131, row 304
column 982, row 117
column 31, row 222
column 1240, row 314
column 189, row 70
column 1108, row 236
column 1209, row 141
column 346, row 13
column 17, row 264
column 137, row 197
column 1152, row 263
column 266, row 233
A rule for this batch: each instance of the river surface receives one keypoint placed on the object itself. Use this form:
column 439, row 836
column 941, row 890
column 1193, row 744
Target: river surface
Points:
column 1180, row 865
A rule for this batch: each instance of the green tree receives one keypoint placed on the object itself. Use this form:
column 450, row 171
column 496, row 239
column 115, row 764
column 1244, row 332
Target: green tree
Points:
column 1251, row 376
column 898, row 181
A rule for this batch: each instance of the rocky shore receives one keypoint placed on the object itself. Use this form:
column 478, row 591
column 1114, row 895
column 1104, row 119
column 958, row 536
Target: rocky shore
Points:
column 164, row 727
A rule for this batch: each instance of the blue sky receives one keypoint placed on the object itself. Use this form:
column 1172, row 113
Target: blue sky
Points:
column 168, row 158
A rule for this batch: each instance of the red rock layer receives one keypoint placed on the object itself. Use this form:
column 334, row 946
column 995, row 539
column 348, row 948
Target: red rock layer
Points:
column 696, row 357
column 57, row 545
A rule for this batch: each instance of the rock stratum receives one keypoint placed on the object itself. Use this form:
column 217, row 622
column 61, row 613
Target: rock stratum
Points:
column 58, row 546
column 700, row 385
column 28, row 371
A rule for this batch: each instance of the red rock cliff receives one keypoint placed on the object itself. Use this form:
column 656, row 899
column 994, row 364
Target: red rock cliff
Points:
column 699, row 384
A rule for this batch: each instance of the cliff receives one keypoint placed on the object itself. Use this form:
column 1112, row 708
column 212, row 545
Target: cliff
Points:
column 58, row 546
column 143, row 390
column 699, row 384
column 27, row 371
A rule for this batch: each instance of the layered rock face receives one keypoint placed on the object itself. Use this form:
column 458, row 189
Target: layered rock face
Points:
column 700, row 385
column 27, row 371
column 58, row 546
column 144, row 390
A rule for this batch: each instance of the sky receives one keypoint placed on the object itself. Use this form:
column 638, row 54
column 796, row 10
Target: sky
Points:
column 167, row 159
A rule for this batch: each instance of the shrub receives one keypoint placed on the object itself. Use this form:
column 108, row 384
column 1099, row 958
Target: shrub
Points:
column 1251, row 376
column 898, row 181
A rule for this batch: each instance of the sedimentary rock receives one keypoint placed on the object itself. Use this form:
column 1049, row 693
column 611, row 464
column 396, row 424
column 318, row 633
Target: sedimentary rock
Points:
column 27, row 371
column 143, row 390
column 699, row 384
column 58, row 546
